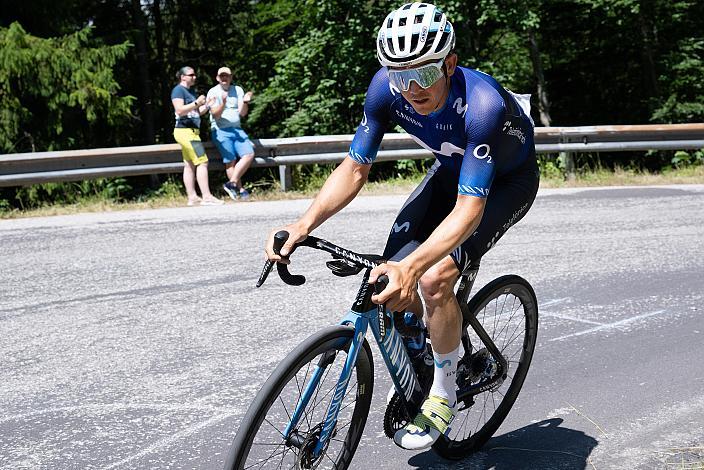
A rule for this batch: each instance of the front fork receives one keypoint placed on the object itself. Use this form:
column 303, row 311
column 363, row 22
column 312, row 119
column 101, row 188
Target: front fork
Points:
column 360, row 324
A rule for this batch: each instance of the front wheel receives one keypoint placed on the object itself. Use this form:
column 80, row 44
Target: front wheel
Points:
column 260, row 441
column 508, row 311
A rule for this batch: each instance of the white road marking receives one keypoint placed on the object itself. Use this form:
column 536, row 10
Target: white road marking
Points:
column 553, row 302
column 109, row 408
column 571, row 318
column 609, row 326
column 174, row 437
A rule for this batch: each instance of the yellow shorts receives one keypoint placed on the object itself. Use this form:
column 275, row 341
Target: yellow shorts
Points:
column 191, row 146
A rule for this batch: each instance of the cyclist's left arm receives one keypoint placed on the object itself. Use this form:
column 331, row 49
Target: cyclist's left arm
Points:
column 476, row 175
column 452, row 231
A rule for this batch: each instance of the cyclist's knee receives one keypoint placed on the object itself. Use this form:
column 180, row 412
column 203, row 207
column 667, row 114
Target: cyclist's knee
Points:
column 439, row 281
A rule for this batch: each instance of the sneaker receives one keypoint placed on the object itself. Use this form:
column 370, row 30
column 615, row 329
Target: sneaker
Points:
column 212, row 202
column 194, row 201
column 231, row 190
column 434, row 420
column 244, row 194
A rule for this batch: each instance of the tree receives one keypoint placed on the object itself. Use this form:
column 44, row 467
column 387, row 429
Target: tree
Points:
column 57, row 93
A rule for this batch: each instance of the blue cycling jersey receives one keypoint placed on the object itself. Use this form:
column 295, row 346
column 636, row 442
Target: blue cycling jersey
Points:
column 481, row 132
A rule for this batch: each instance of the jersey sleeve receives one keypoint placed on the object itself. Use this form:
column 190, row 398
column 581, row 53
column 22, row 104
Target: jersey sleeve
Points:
column 483, row 127
column 179, row 92
column 240, row 93
column 375, row 120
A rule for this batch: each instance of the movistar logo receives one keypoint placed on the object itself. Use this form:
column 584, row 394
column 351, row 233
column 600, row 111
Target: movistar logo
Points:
column 442, row 364
column 404, row 226
column 457, row 106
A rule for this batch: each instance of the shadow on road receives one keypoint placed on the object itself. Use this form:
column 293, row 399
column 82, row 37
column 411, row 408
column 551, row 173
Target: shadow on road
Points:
column 540, row 446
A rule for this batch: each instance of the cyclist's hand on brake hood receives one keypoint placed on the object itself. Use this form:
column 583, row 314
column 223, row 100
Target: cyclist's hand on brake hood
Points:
column 296, row 234
column 402, row 285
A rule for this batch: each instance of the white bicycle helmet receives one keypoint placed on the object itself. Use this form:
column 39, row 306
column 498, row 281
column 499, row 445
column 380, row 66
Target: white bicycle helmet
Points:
column 416, row 32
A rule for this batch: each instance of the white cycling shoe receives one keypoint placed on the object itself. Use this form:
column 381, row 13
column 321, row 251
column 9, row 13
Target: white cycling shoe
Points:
column 434, row 420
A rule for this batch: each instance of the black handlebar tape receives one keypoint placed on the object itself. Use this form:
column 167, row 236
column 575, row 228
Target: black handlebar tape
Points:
column 279, row 239
column 381, row 284
column 268, row 264
column 290, row 279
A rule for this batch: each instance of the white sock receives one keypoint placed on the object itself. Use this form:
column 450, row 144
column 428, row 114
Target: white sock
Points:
column 444, row 384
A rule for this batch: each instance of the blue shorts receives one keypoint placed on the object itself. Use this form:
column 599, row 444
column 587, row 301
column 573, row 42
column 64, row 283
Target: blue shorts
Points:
column 232, row 143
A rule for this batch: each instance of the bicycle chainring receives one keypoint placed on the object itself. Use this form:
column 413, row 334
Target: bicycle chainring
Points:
column 395, row 416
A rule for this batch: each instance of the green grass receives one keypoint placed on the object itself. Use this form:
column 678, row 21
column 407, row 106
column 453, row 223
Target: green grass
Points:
column 171, row 193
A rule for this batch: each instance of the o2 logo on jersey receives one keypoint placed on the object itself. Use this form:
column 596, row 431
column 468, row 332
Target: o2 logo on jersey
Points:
column 482, row 151
column 364, row 123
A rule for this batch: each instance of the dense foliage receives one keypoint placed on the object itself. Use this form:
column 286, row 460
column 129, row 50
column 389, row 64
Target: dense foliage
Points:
column 80, row 73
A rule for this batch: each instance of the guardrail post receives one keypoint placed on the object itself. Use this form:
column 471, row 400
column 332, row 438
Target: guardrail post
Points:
column 285, row 177
column 568, row 160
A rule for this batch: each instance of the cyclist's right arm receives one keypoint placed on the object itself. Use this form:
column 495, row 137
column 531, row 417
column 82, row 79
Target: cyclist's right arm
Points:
column 347, row 180
column 339, row 189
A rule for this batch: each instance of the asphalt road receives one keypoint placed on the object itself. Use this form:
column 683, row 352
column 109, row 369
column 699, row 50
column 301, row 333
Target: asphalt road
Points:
column 136, row 340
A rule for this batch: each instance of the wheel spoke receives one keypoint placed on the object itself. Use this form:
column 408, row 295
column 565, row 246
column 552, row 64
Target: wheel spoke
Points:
column 268, row 448
column 262, row 462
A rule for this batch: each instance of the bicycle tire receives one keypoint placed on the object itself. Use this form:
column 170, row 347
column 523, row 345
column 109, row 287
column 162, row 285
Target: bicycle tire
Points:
column 336, row 338
column 457, row 444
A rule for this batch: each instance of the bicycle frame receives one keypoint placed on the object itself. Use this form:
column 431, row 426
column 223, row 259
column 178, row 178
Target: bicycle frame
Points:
column 365, row 315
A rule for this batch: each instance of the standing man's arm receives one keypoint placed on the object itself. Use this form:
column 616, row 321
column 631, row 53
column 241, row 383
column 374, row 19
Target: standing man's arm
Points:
column 243, row 101
column 217, row 105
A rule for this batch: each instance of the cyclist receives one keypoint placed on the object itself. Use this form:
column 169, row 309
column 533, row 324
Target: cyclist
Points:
column 483, row 181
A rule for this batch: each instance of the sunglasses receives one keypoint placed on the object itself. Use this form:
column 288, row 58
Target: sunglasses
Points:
column 189, row 74
column 424, row 75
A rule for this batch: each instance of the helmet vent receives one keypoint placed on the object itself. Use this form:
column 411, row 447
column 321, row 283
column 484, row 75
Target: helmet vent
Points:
column 443, row 41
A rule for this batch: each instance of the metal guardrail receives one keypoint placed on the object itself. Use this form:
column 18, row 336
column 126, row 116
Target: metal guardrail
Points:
column 74, row 165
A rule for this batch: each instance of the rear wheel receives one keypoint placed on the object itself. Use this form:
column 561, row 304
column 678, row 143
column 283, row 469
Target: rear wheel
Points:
column 260, row 441
column 508, row 311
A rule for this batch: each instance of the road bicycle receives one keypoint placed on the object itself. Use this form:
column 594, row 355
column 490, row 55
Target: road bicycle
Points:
column 311, row 411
